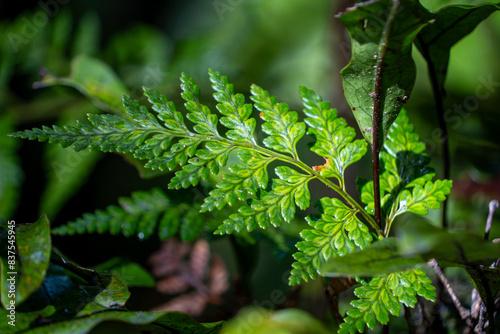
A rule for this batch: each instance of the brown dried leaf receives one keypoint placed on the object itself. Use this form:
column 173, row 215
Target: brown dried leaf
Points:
column 198, row 262
column 192, row 303
column 219, row 277
column 168, row 259
column 172, row 285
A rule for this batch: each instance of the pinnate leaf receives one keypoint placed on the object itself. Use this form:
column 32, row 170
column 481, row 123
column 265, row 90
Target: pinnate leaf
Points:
column 405, row 181
column 272, row 207
column 205, row 122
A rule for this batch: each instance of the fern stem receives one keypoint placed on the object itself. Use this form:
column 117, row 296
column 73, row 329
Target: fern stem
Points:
column 439, row 93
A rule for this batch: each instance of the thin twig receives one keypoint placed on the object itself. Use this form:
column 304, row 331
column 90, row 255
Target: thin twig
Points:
column 464, row 313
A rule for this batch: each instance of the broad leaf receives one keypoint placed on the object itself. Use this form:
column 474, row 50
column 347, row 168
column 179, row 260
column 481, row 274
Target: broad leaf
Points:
column 449, row 248
column 158, row 322
column 32, row 253
column 449, row 26
column 94, row 79
column 381, row 257
column 381, row 72
column 287, row 321
column 132, row 273
column 417, row 242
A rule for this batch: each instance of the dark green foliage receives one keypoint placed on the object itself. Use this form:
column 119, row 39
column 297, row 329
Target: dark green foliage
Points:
column 450, row 25
column 26, row 252
column 66, row 298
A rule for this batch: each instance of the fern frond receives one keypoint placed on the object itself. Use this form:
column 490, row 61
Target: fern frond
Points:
column 166, row 141
column 336, row 232
column 383, row 296
column 143, row 214
column 334, row 139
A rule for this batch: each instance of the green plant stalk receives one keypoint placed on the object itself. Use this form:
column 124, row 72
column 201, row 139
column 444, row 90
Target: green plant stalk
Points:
column 438, row 94
column 377, row 113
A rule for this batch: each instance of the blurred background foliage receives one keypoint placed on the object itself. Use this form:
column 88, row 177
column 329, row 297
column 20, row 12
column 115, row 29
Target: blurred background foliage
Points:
column 106, row 49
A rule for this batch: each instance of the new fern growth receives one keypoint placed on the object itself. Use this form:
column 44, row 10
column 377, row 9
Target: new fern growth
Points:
column 165, row 140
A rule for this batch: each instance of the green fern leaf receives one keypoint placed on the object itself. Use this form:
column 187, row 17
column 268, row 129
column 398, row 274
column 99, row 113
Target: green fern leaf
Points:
column 383, row 295
column 279, row 123
column 178, row 155
column 166, row 142
column 334, row 139
column 336, row 232
column 140, row 215
column 234, row 108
